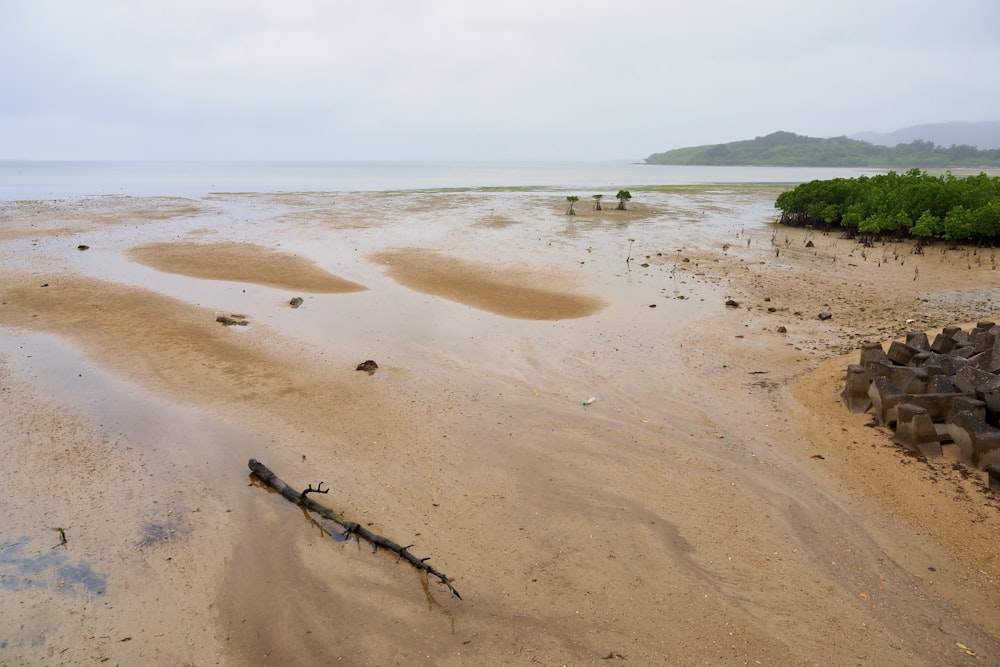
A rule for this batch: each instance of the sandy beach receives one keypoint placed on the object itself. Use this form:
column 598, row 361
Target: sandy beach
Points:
column 715, row 503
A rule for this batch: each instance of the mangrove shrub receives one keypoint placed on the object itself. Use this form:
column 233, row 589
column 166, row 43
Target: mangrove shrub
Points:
column 911, row 204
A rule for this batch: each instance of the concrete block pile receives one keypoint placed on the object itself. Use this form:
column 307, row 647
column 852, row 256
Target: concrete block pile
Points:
column 941, row 397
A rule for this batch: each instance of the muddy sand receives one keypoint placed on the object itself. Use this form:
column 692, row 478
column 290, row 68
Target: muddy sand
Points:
column 714, row 504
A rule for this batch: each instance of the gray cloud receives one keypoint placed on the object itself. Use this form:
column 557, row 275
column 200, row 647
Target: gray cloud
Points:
column 390, row 79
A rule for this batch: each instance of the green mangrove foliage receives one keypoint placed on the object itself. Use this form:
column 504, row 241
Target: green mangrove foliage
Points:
column 912, row 204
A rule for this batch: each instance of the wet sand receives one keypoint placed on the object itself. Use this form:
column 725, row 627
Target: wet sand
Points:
column 716, row 504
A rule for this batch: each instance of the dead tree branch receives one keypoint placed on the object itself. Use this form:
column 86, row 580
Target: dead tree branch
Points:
column 302, row 499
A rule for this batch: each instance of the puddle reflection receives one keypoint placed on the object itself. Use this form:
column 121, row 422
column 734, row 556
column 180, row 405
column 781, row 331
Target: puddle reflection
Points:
column 23, row 566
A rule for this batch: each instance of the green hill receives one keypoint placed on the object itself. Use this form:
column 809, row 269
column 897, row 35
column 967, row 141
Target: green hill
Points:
column 786, row 149
column 981, row 134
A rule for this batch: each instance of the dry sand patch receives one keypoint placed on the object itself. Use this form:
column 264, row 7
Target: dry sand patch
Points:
column 943, row 498
column 510, row 293
column 241, row 262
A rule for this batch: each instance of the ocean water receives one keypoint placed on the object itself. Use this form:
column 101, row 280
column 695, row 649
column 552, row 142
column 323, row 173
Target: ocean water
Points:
column 20, row 180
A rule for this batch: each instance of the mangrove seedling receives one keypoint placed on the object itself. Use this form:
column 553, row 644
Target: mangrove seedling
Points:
column 622, row 197
column 572, row 199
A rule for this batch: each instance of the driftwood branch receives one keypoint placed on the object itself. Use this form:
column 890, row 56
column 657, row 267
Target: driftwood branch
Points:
column 302, row 499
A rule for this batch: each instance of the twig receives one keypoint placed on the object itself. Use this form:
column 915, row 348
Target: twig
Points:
column 319, row 489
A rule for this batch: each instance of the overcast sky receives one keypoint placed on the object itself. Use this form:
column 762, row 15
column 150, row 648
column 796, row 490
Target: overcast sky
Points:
column 471, row 80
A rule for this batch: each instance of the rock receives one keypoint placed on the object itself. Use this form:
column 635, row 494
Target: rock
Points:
column 782, row 330
column 296, row 302
column 83, row 247
column 233, row 320
column 368, row 366
column 731, row 303
column 809, row 244
column 825, row 316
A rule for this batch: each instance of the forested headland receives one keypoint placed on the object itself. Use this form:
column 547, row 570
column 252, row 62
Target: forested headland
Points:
column 913, row 204
column 787, row 149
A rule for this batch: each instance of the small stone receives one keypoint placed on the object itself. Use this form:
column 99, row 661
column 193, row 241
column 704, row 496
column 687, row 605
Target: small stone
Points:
column 825, row 316
column 368, row 366
column 782, row 330
column 234, row 320
column 732, row 303
column 296, row 302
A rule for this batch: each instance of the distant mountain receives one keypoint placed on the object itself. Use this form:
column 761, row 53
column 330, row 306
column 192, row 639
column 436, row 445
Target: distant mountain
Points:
column 981, row 135
column 787, row 149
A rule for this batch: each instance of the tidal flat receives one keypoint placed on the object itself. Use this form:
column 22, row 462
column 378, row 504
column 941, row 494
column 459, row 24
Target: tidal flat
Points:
column 715, row 503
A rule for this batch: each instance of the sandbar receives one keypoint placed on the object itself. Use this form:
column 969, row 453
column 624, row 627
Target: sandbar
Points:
column 241, row 262
column 505, row 292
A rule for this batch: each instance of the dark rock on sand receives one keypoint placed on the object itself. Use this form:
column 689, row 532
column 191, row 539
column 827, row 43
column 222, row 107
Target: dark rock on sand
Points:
column 369, row 366
column 232, row 320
